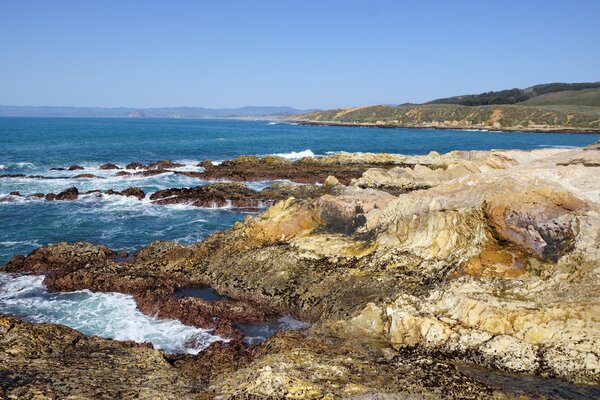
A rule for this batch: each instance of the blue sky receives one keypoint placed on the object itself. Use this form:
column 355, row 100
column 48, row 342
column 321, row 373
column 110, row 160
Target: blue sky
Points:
column 299, row 53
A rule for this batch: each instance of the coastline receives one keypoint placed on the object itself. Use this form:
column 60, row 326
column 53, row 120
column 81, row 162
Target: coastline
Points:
column 444, row 127
column 396, row 270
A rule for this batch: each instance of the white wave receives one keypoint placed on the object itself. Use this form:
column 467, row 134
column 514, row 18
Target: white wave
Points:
column 16, row 243
column 2, row 166
column 108, row 315
column 273, row 123
column 295, row 155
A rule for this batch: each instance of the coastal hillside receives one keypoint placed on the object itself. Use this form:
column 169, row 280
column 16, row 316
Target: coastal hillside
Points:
column 551, row 107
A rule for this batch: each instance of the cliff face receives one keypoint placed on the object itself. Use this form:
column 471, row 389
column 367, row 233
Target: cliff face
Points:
column 491, row 258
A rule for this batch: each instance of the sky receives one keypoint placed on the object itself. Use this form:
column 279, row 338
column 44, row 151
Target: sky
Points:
column 304, row 54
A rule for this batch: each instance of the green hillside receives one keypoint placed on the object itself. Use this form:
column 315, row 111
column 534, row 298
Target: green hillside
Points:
column 514, row 96
column 584, row 97
column 573, row 107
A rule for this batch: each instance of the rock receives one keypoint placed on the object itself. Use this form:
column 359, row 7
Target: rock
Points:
column 58, row 169
column 75, row 167
column 39, row 360
column 211, row 195
column 15, row 194
column 50, row 196
column 164, row 164
column 123, row 173
column 68, row 194
column 331, row 181
column 206, row 164
column 134, row 191
column 82, row 176
column 315, row 170
column 135, row 165
column 109, row 166
column 129, row 192
column 494, row 264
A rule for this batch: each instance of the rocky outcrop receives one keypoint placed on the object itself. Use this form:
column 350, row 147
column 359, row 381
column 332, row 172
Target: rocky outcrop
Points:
column 212, row 195
column 164, row 164
column 233, row 194
column 50, row 361
column 306, row 170
column 109, row 166
column 129, row 192
column 492, row 261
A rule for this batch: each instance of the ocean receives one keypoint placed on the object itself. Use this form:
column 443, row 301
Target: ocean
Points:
column 32, row 146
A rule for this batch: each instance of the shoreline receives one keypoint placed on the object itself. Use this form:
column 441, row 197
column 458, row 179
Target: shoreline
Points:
column 449, row 127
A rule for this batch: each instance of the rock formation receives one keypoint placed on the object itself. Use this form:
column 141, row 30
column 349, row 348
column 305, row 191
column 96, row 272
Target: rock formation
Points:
column 410, row 276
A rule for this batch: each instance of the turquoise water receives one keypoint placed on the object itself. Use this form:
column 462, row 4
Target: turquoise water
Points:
column 32, row 146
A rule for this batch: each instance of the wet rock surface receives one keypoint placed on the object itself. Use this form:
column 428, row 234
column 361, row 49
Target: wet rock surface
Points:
column 306, row 170
column 481, row 258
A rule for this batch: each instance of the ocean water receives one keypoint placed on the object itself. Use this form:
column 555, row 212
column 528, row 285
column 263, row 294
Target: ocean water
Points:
column 108, row 315
column 33, row 146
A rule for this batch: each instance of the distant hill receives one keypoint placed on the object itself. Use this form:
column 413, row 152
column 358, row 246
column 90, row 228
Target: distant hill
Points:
column 167, row 112
column 514, row 96
column 572, row 107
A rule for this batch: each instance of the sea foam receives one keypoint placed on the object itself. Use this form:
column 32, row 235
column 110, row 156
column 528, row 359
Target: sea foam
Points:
column 108, row 315
column 295, row 155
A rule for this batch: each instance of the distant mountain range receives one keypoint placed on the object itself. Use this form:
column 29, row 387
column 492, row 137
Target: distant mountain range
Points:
column 569, row 107
column 166, row 112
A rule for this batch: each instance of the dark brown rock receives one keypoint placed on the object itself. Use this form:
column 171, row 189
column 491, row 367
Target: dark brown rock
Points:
column 206, row 164
column 129, row 192
column 75, row 167
column 212, row 195
column 314, row 170
column 109, row 166
column 164, row 164
column 83, row 176
column 15, row 193
column 135, row 165
column 68, row 194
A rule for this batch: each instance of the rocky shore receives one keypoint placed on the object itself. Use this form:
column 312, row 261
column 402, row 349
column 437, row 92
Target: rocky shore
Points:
column 469, row 275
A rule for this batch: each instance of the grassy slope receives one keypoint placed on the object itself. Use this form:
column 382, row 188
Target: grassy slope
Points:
column 554, row 117
column 576, row 110
column 585, row 97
